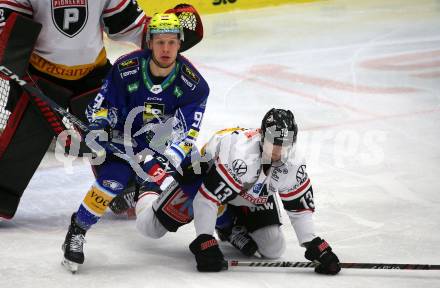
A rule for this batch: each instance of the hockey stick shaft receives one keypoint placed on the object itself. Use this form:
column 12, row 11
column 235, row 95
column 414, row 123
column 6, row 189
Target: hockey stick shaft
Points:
column 10, row 75
column 292, row 264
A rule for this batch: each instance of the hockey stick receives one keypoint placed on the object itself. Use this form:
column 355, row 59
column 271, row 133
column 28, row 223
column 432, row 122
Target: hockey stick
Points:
column 9, row 75
column 292, row 264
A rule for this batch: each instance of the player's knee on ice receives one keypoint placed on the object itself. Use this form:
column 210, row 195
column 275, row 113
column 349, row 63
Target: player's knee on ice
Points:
column 146, row 221
column 270, row 241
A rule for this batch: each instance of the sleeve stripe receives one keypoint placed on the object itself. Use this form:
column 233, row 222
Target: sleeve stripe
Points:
column 147, row 193
column 226, row 176
column 178, row 151
column 182, row 119
column 16, row 7
column 119, row 7
column 208, row 196
column 136, row 24
column 296, row 191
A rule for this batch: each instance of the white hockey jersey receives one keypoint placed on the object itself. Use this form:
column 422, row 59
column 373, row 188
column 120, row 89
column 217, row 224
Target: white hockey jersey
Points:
column 238, row 178
column 70, row 44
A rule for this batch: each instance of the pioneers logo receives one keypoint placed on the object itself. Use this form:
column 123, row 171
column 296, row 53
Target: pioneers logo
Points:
column 69, row 16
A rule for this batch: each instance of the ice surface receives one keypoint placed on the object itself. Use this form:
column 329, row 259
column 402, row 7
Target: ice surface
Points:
column 363, row 81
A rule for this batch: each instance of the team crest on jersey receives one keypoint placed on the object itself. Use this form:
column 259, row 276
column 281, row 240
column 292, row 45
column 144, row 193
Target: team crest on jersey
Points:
column 70, row 16
column 153, row 110
column 178, row 207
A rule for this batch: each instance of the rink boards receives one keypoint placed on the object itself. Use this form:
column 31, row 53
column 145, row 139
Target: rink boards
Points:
column 214, row 6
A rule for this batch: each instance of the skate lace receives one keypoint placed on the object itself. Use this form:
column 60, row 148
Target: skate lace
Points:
column 77, row 242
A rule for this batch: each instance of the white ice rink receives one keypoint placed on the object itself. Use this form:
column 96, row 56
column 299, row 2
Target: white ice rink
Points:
column 363, row 81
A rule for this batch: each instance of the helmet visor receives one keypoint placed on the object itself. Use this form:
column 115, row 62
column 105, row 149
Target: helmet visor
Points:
column 274, row 153
column 281, row 137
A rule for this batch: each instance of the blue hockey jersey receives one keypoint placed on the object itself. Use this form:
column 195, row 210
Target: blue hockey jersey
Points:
column 155, row 116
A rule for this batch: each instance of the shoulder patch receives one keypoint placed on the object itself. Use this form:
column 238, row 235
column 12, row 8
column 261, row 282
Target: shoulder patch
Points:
column 133, row 87
column 177, row 92
column 129, row 63
column 188, row 72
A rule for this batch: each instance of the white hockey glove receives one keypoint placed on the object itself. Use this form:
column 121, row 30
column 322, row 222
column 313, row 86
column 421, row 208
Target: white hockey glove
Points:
column 175, row 156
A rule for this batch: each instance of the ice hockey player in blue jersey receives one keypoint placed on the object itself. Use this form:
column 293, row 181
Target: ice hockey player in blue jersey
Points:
column 155, row 97
column 68, row 62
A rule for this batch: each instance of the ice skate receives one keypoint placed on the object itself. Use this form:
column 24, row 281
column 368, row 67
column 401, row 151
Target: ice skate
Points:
column 73, row 246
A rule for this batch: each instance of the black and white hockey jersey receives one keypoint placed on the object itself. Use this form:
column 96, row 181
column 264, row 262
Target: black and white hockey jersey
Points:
column 71, row 44
column 236, row 177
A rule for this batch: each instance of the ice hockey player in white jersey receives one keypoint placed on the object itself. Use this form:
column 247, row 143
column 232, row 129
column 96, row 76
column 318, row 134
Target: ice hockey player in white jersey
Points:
column 248, row 168
column 242, row 170
column 70, row 45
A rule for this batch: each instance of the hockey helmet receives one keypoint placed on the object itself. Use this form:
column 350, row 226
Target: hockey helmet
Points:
column 279, row 127
column 165, row 23
column 278, row 135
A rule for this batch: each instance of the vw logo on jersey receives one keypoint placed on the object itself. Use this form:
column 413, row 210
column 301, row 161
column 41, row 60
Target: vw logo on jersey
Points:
column 301, row 174
column 239, row 167
column 69, row 16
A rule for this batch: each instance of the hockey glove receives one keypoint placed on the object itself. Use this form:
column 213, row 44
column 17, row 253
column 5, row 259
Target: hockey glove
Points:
column 175, row 156
column 319, row 250
column 209, row 258
column 125, row 200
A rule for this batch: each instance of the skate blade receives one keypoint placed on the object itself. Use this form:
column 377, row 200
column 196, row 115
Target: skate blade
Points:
column 69, row 265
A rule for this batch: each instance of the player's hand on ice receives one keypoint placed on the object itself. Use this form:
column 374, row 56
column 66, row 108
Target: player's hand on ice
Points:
column 319, row 250
column 209, row 258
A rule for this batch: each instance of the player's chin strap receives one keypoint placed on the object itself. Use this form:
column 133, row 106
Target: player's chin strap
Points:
column 292, row 264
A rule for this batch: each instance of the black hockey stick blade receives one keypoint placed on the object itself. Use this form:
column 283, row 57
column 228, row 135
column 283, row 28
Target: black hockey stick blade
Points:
column 292, row 264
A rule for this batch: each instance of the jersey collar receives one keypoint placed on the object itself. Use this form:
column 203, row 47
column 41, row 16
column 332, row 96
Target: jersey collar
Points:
column 156, row 89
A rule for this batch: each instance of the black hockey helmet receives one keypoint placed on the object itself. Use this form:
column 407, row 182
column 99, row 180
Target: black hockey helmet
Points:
column 279, row 127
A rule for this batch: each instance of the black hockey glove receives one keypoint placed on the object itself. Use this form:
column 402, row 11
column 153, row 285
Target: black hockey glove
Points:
column 319, row 250
column 125, row 200
column 209, row 258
